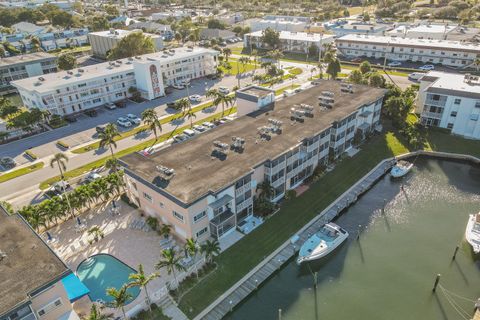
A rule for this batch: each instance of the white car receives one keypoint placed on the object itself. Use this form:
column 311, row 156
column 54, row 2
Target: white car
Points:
column 394, row 64
column 199, row 128
column 195, row 98
column 189, row 133
column 208, row 125
column 178, row 86
column 124, row 122
column 224, row 90
column 133, row 118
column 427, row 67
column 415, row 76
column 92, row 176
column 180, row 138
column 110, row 106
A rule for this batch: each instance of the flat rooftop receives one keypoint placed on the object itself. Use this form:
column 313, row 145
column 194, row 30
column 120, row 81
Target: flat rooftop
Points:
column 64, row 79
column 120, row 33
column 256, row 91
column 452, row 84
column 28, row 263
column 299, row 36
column 411, row 42
column 26, row 58
column 197, row 172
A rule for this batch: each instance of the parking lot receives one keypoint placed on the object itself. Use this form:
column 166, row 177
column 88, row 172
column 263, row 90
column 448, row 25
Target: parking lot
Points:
column 391, row 64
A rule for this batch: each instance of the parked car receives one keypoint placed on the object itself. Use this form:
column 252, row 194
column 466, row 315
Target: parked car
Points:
column 199, row 128
column 394, row 64
column 189, row 133
column 121, row 103
column 60, row 187
column 70, row 118
column 133, row 118
column 92, row 176
column 123, row 122
column 100, row 129
column 415, row 76
column 110, row 106
column 171, row 104
column 224, row 90
column 212, row 76
column 7, row 162
column 427, row 67
column 178, row 86
column 208, row 125
column 357, row 60
column 91, row 113
column 195, row 98
column 180, row 138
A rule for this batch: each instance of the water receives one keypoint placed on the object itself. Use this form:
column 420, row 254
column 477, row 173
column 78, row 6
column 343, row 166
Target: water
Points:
column 389, row 273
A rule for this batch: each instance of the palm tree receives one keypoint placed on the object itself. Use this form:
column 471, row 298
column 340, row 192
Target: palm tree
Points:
column 190, row 115
column 120, row 299
column 254, row 53
column 36, row 44
column 220, row 98
column 266, row 190
column 312, row 71
column 476, row 63
column 210, row 248
column 191, row 248
column 276, row 55
column 60, row 159
column 140, row 279
column 96, row 314
column 171, row 262
column 227, row 52
column 182, row 104
column 165, row 230
column 107, row 137
column 150, row 117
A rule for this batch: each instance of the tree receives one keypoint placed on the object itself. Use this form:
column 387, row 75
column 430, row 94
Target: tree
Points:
column 271, row 38
column 150, row 118
column 376, row 80
column 67, row 61
column 227, row 52
column 313, row 51
column 96, row 314
column 220, row 98
column 108, row 136
column 60, row 160
column 215, row 24
column 183, row 105
column 334, row 68
column 140, row 279
column 134, row 44
column 136, row 95
column 209, row 249
column 165, row 230
column 171, row 262
column 120, row 299
column 191, row 248
column 275, row 55
column 266, row 190
column 111, row 10
column 365, row 67
column 36, row 44
column 356, row 77
column 6, row 107
column 189, row 114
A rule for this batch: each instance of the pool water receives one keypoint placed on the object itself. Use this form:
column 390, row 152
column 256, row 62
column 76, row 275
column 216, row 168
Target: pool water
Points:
column 389, row 273
column 103, row 271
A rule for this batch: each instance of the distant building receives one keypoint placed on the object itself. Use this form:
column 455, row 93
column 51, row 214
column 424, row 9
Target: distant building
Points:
column 230, row 19
column 31, row 4
column 450, row 101
column 27, row 27
column 177, row 15
column 126, row 21
column 25, row 66
column 70, row 92
column 342, row 27
column 209, row 34
column 35, row 283
column 290, row 41
column 281, row 23
column 423, row 31
column 104, row 41
column 153, row 27
column 449, row 53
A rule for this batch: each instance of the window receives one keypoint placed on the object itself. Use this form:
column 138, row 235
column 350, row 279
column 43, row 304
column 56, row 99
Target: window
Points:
column 199, row 216
column 477, row 104
column 474, row 117
column 199, row 233
column 147, row 196
column 49, row 307
column 162, row 205
column 457, row 101
column 453, row 114
column 450, row 126
column 177, row 215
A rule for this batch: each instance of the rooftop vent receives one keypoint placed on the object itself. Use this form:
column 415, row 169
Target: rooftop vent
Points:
column 70, row 72
column 307, row 109
column 470, row 79
column 275, row 125
column 265, row 133
column 326, row 99
column 297, row 115
column 220, row 149
column 41, row 79
column 238, row 144
column 81, row 70
column 165, row 172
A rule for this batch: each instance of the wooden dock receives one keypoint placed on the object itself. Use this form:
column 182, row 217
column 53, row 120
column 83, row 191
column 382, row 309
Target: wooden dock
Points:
column 250, row 282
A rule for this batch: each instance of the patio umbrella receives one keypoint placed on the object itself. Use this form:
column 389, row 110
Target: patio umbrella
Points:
column 49, row 236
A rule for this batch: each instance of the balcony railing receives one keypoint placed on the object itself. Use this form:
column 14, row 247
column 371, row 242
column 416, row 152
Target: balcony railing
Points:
column 244, row 204
column 433, row 115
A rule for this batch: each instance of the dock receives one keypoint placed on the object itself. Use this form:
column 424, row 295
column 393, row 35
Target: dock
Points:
column 265, row 269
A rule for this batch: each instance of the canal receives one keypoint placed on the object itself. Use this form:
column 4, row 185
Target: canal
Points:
column 389, row 272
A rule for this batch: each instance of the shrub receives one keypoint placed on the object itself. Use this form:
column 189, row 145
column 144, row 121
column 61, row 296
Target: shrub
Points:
column 290, row 194
column 31, row 155
column 153, row 223
column 127, row 200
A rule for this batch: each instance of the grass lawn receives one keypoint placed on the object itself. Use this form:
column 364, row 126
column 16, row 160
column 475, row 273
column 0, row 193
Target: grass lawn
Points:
column 15, row 99
column 237, row 67
column 20, row 172
column 100, row 162
column 295, row 71
column 290, row 87
column 234, row 263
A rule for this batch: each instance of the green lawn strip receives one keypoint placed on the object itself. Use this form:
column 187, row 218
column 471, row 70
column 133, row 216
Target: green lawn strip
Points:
column 100, row 162
column 20, row 172
column 290, row 87
column 234, row 64
column 126, row 134
column 295, row 71
column 234, row 263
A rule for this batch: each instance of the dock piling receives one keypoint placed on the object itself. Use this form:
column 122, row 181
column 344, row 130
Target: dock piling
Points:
column 279, row 314
column 437, row 280
column 455, row 253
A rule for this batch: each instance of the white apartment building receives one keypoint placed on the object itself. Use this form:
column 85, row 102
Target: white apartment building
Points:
column 343, row 27
column 281, row 23
column 449, row 53
column 450, row 101
column 104, row 41
column 205, row 187
column 290, row 41
column 423, row 31
column 92, row 86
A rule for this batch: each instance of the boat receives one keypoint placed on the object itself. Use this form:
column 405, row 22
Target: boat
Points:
column 472, row 233
column 329, row 237
column 401, row 168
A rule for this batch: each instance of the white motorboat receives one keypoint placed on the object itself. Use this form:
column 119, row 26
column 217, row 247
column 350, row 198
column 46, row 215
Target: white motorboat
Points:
column 322, row 243
column 401, row 168
column 472, row 233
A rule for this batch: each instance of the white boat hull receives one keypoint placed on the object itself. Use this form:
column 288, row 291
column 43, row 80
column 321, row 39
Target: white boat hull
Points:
column 472, row 233
column 400, row 170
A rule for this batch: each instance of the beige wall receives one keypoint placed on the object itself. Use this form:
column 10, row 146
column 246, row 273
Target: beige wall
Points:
column 244, row 107
column 49, row 295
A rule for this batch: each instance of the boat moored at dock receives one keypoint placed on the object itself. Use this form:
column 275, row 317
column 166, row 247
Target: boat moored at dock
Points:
column 401, row 168
column 472, row 233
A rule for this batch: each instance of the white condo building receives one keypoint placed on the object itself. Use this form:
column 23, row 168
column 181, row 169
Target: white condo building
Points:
column 423, row 31
column 290, row 41
column 449, row 53
column 89, row 87
column 450, row 101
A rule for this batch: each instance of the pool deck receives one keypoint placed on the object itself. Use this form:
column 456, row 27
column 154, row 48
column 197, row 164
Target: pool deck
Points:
column 250, row 282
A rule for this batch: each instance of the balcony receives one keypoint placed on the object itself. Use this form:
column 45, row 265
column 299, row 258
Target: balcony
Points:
column 241, row 190
column 432, row 115
column 222, row 223
column 244, row 204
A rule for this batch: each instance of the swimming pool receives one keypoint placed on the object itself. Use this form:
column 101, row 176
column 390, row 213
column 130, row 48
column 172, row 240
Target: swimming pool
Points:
column 103, row 271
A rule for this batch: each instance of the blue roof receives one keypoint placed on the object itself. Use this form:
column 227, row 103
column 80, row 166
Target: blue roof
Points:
column 74, row 287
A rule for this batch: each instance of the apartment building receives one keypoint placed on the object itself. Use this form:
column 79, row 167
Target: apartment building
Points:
column 444, row 52
column 281, row 23
column 35, row 283
column 205, row 187
column 450, row 101
column 298, row 42
column 423, row 31
column 104, row 41
column 24, row 66
column 343, row 27
column 77, row 90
